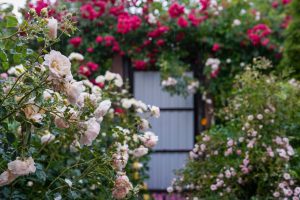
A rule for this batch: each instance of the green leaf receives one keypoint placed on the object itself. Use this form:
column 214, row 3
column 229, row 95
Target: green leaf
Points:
column 3, row 56
column 11, row 21
column 17, row 57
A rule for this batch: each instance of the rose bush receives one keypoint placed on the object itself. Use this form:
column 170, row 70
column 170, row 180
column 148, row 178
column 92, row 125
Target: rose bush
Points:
column 255, row 153
column 63, row 137
column 157, row 34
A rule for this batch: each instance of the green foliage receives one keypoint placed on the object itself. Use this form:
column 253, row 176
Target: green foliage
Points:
column 291, row 58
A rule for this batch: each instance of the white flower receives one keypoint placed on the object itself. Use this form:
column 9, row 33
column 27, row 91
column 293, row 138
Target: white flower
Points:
column 250, row 117
column 16, row 70
column 260, row 116
column 228, row 60
column 149, row 139
column 155, row 111
column 22, row 167
column 126, row 103
column 68, row 182
column 192, row 87
column 47, row 138
column 52, row 26
column 236, row 22
column 59, row 65
column 169, row 82
column 144, row 125
column 152, row 19
column 102, row 108
column 47, row 94
column 213, row 187
column 170, row 189
column 100, row 79
column 76, row 56
column 140, row 151
column 29, row 183
column 109, row 76
column 92, row 131
column 73, row 91
column 118, row 80
column 286, row 176
column 213, row 62
column 243, row 11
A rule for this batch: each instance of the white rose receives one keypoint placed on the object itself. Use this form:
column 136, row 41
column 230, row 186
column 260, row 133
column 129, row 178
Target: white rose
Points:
column 73, row 91
column 88, row 83
column 149, row 139
column 139, row 152
column 47, row 138
column 102, row 108
column 118, row 81
column 76, row 56
column 20, row 167
column 155, row 111
column 52, row 26
column 236, row 22
column 109, row 76
column 59, row 65
column 93, row 129
column 144, row 125
column 126, row 103
column 100, row 79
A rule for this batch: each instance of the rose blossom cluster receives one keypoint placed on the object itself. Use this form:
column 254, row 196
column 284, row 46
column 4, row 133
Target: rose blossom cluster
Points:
column 287, row 188
column 258, row 34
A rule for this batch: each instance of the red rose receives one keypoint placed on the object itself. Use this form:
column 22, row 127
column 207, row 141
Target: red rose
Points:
column 99, row 39
column 204, row 4
column 119, row 111
column 75, row 41
column 90, row 49
column 176, row 10
column 216, row 47
column 109, row 40
column 182, row 22
column 92, row 66
column 140, row 64
column 160, row 42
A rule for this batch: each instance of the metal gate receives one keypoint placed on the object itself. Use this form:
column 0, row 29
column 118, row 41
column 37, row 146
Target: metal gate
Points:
column 175, row 128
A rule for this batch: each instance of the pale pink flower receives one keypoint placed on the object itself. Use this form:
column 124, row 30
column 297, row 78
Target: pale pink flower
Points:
column 122, row 187
column 60, row 122
column 22, row 167
column 92, row 131
column 149, row 139
column 59, row 65
column 140, row 151
column 102, row 108
column 52, row 26
column 7, row 177
column 47, row 138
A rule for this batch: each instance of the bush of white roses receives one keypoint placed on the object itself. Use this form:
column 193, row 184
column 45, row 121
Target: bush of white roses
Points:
column 255, row 154
column 54, row 128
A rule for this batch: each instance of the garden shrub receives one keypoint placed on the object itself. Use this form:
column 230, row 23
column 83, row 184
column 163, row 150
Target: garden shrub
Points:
column 255, row 153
